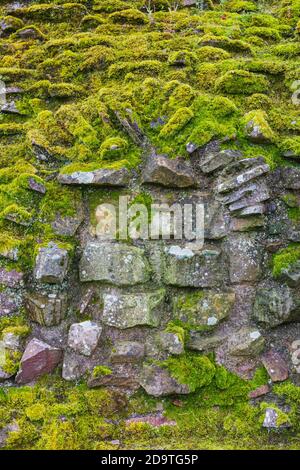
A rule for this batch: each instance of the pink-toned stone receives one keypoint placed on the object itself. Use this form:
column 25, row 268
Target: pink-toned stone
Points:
column 259, row 391
column 39, row 358
column 153, row 420
column 276, row 366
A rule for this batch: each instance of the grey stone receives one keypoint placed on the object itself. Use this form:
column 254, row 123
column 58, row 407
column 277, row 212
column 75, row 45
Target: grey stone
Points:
column 213, row 161
column 247, row 195
column 101, row 177
column 3, row 377
column 245, row 258
column 174, row 173
column 9, row 304
column 12, row 279
column 39, row 358
column 12, row 341
column 270, row 420
column 6, row 430
column 67, row 226
column 236, row 181
column 200, row 342
column 129, row 310
column 203, row 308
column 186, row 268
column 83, row 337
column 247, row 341
column 127, row 351
column 158, row 382
column 47, row 309
column 276, row 304
column 258, row 209
column 75, row 366
column 290, row 178
column 36, row 186
column 246, row 224
column 258, row 133
column 51, row 264
column 115, row 263
column 10, row 108
column 170, row 342
column 291, row 275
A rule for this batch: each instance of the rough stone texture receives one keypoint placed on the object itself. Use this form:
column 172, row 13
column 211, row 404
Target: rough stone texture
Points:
column 213, row 161
column 174, row 173
column 203, row 308
column 6, row 430
column 67, row 226
column 276, row 304
column 114, row 263
column 259, row 391
column 275, row 366
column 103, row 177
column 9, row 304
column 115, row 380
column 246, row 342
column 129, row 310
column 270, row 420
column 291, row 275
column 46, row 309
column 235, row 182
column 39, row 358
column 127, row 351
column 290, row 178
column 200, row 342
column 158, row 382
column 185, row 268
column 84, row 337
column 12, row 279
column 51, row 264
column 244, row 258
column 74, row 366
column 12, row 341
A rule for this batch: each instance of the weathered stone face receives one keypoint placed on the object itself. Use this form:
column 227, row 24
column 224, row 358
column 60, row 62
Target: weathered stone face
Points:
column 204, row 343
column 129, row 310
column 246, row 342
column 158, row 382
column 275, row 366
column 203, row 308
column 84, row 337
column 51, row 264
column 187, row 269
column 118, row 264
column 127, row 351
column 39, row 358
column 174, row 173
column 245, row 258
column 276, row 304
column 46, row 309
column 103, row 177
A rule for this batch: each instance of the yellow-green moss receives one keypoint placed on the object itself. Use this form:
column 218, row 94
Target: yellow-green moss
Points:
column 285, row 258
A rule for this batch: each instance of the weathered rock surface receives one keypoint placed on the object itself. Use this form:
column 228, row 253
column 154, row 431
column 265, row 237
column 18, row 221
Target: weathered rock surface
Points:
column 200, row 342
column 39, row 358
column 213, row 161
column 245, row 257
column 185, row 268
column 276, row 304
column 84, row 337
column 174, row 173
column 114, row 263
column 51, row 264
column 158, row 382
column 203, row 308
column 290, row 178
column 12, row 279
column 235, row 182
column 270, row 420
column 9, row 304
column 129, row 310
column 102, row 177
column 127, row 351
column 275, row 366
column 46, row 309
column 247, row 341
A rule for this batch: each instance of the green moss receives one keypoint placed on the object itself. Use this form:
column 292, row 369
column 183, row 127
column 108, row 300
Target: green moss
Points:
column 177, row 330
column 258, row 119
column 178, row 121
column 242, row 82
column 291, row 147
column 99, row 371
column 18, row 330
column 12, row 362
column 191, row 369
column 130, row 16
column 285, row 258
column 36, row 412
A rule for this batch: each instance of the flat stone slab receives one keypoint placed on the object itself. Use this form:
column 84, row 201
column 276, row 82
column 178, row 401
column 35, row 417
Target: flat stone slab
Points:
column 84, row 337
column 114, row 263
column 129, row 310
column 237, row 181
column 245, row 258
column 217, row 160
column 247, row 341
column 173, row 173
column 101, row 177
column 127, row 351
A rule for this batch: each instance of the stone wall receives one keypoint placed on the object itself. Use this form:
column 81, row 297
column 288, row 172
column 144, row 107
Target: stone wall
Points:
column 112, row 311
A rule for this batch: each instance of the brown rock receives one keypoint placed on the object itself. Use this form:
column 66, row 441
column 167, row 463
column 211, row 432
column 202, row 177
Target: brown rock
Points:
column 39, row 358
column 259, row 391
column 276, row 366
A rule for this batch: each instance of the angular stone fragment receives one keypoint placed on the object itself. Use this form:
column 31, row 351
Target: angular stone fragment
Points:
column 246, row 224
column 127, row 351
column 237, row 181
column 275, row 366
column 200, row 342
column 38, row 359
column 246, row 341
column 257, row 128
column 158, row 382
column 9, row 304
column 187, row 269
column 36, row 186
column 129, row 310
column 101, row 177
column 244, row 258
column 51, row 264
column 276, row 304
column 5, row 432
column 290, row 178
column 203, row 308
column 12, row 279
column 291, row 275
column 12, row 341
column 174, row 173
column 259, row 391
column 74, row 366
column 46, row 309
column 270, row 420
column 213, row 161
column 3, row 377
column 170, row 342
column 247, row 195
column 10, row 108
column 67, row 226
column 116, row 380
column 114, row 263
column 258, row 209
column 84, row 337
